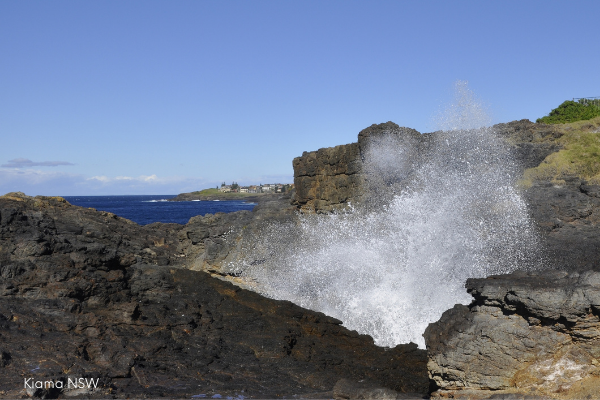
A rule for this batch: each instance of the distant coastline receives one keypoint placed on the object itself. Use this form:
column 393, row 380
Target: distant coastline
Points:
column 202, row 195
column 249, row 194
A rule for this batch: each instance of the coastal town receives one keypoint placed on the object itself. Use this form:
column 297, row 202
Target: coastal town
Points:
column 266, row 188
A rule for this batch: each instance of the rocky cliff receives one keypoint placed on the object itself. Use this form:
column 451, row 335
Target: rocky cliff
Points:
column 566, row 213
column 329, row 179
column 526, row 335
column 86, row 294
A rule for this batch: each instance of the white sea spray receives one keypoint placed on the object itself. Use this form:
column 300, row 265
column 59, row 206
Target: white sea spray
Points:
column 389, row 269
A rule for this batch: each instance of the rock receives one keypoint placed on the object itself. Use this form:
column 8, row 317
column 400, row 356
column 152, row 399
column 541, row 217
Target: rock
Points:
column 534, row 333
column 568, row 218
column 567, row 215
column 328, row 179
column 531, row 143
column 216, row 243
column 347, row 389
column 96, row 305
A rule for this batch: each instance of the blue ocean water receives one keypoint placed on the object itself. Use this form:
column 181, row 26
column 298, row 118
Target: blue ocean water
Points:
column 155, row 208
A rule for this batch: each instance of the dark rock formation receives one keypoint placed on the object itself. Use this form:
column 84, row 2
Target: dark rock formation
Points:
column 347, row 389
column 529, row 333
column 216, row 243
column 209, row 242
column 328, row 179
column 567, row 214
column 531, row 142
column 568, row 217
column 532, row 334
column 86, row 294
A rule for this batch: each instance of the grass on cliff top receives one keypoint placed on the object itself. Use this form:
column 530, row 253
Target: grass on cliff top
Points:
column 207, row 192
column 580, row 155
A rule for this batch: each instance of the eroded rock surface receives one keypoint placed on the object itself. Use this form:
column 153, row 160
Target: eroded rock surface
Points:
column 528, row 333
column 86, row 294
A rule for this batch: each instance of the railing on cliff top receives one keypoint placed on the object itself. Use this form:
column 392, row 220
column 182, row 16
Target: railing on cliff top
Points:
column 588, row 100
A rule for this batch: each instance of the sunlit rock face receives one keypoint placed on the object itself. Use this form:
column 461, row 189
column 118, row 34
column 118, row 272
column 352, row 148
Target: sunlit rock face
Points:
column 530, row 333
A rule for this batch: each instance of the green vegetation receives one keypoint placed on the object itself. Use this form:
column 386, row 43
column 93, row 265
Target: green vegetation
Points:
column 580, row 155
column 207, row 192
column 571, row 111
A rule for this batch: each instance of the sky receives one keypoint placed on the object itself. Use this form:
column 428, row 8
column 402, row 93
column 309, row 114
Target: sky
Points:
column 163, row 97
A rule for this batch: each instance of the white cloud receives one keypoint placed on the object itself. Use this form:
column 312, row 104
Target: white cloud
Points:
column 142, row 178
column 37, row 182
column 151, row 178
column 34, row 182
column 99, row 178
column 25, row 163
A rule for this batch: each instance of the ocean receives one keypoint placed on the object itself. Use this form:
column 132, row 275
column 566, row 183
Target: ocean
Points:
column 146, row 209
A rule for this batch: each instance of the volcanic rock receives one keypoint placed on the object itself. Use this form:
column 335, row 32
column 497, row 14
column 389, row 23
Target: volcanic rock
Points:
column 86, row 294
column 568, row 218
column 535, row 333
column 218, row 243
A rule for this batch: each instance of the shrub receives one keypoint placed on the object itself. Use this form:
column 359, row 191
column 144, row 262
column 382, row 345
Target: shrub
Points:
column 571, row 111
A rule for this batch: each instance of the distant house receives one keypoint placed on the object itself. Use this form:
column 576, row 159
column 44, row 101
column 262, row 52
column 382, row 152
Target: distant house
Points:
column 266, row 188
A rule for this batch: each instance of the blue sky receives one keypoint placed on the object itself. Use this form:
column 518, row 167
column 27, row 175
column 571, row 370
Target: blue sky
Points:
column 157, row 97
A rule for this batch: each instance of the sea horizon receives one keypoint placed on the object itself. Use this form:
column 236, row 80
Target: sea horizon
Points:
column 147, row 209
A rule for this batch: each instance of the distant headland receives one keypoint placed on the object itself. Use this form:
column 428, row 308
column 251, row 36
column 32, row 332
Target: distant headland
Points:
column 236, row 192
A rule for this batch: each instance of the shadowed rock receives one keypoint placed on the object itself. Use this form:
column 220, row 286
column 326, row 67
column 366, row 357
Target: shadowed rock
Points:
column 86, row 294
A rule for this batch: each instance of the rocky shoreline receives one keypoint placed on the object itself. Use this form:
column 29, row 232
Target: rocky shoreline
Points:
column 87, row 294
column 147, row 311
